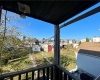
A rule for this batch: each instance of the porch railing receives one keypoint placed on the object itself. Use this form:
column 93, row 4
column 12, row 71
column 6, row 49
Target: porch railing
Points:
column 48, row 72
column 63, row 74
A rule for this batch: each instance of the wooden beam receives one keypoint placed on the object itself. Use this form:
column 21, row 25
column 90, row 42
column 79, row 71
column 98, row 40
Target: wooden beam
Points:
column 96, row 10
column 57, row 45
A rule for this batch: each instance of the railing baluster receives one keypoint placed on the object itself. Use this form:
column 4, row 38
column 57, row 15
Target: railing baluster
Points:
column 43, row 74
column 56, row 73
column 19, row 77
column 65, row 76
column 66, row 73
column 2, row 78
column 69, row 78
column 32, row 75
column 38, row 74
column 60, row 74
column 11, row 78
column 52, row 73
column 48, row 73
column 27, row 76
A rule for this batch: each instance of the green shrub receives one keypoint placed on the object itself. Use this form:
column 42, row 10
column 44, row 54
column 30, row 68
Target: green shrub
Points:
column 1, row 70
column 8, row 55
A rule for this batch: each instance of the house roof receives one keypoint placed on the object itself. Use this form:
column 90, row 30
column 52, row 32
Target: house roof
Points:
column 91, row 48
column 89, row 52
column 53, row 11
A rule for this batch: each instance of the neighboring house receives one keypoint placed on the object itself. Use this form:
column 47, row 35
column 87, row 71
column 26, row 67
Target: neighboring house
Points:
column 83, row 40
column 96, row 39
column 66, row 41
column 77, row 41
column 88, row 58
column 70, row 41
column 75, row 45
column 36, row 47
column 51, row 43
column 90, row 40
column 63, row 43
column 47, row 47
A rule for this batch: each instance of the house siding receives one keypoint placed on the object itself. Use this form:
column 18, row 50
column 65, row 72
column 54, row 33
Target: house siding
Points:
column 89, row 64
column 96, row 39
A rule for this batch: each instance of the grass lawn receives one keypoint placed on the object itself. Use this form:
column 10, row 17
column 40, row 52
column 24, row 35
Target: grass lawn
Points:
column 67, row 58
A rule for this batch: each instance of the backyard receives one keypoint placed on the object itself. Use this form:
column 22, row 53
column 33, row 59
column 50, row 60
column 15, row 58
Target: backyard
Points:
column 39, row 59
column 67, row 58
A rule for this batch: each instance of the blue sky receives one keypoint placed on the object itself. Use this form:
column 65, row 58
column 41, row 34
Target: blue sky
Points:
column 88, row 27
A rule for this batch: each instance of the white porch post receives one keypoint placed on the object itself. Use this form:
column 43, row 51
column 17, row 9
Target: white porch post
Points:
column 57, row 45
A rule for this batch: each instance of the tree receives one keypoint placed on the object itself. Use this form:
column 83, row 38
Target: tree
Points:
column 9, row 33
column 24, row 38
column 87, row 40
column 79, row 43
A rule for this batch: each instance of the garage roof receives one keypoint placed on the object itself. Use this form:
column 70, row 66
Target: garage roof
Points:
column 53, row 11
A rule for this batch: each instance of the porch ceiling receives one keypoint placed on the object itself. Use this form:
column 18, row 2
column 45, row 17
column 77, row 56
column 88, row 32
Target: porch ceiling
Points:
column 53, row 11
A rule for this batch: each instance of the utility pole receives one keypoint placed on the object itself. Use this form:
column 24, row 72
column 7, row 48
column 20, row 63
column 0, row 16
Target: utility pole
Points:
column 3, row 35
column 0, row 25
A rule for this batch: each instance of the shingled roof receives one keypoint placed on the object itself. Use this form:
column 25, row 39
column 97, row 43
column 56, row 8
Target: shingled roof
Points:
column 91, row 48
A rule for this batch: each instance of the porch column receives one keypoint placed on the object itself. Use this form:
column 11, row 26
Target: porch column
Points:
column 57, row 45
